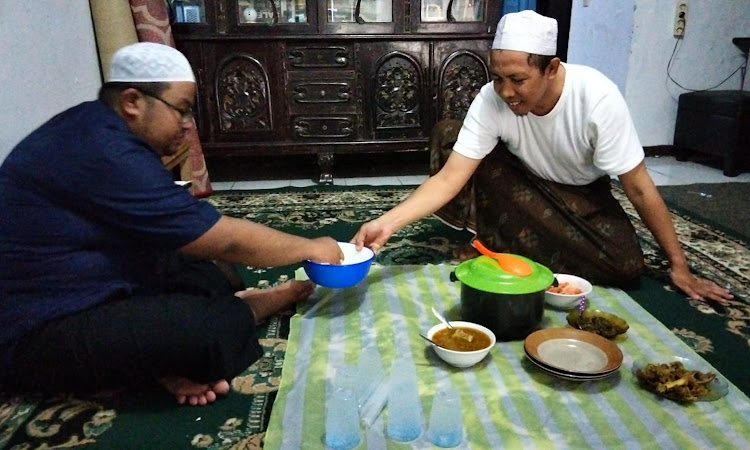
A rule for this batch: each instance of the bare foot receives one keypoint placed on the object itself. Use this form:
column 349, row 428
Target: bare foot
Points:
column 192, row 393
column 267, row 302
column 464, row 252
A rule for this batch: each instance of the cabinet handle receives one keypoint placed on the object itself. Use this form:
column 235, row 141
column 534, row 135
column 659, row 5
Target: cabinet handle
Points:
column 275, row 11
column 357, row 17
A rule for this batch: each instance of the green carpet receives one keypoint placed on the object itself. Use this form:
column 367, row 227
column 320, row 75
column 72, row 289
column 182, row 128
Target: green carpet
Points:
column 724, row 206
column 152, row 420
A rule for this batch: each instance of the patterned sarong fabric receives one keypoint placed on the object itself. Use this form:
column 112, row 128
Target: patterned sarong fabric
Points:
column 570, row 229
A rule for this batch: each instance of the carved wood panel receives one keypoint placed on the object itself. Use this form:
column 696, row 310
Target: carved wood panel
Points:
column 397, row 91
column 242, row 95
column 462, row 76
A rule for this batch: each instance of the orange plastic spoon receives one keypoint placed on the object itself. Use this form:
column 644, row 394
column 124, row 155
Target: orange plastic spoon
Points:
column 509, row 263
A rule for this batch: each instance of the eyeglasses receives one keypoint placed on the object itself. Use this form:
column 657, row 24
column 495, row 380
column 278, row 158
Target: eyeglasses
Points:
column 186, row 115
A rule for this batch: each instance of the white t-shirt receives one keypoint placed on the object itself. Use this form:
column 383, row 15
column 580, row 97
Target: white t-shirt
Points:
column 589, row 133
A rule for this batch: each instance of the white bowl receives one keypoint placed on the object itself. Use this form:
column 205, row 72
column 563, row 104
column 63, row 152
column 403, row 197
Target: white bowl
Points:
column 457, row 358
column 568, row 301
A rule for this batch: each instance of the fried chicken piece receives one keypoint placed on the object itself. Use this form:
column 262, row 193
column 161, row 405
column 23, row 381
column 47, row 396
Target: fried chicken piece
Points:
column 675, row 382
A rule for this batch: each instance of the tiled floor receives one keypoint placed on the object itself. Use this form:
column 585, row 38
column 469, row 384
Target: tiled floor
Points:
column 664, row 170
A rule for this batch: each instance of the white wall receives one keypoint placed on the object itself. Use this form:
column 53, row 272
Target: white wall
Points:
column 704, row 58
column 600, row 37
column 48, row 62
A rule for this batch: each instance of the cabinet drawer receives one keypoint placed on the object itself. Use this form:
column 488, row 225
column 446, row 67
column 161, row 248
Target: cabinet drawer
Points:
column 341, row 127
column 319, row 56
column 336, row 93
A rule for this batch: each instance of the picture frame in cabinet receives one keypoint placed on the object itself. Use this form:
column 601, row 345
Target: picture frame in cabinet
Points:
column 187, row 12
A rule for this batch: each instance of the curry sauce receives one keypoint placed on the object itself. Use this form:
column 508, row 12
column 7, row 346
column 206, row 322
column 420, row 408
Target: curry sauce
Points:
column 461, row 339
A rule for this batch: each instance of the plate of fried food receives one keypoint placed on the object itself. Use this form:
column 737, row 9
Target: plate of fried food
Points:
column 681, row 379
column 599, row 322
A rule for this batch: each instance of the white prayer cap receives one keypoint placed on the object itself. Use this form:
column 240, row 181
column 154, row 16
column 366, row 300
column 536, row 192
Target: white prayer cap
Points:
column 149, row 62
column 527, row 31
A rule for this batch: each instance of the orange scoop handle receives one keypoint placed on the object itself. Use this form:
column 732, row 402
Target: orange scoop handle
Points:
column 482, row 249
column 509, row 263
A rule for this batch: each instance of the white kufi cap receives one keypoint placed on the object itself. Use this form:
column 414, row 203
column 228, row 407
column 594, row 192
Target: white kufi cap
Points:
column 149, row 62
column 527, row 31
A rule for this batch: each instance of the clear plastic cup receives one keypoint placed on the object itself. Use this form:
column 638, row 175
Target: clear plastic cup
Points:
column 371, row 374
column 347, row 377
column 446, row 419
column 404, row 410
column 342, row 420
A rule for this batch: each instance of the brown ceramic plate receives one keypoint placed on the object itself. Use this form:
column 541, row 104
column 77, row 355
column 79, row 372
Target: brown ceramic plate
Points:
column 568, row 375
column 573, row 351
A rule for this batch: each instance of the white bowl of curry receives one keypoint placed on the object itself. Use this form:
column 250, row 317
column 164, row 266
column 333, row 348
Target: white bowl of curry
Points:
column 463, row 345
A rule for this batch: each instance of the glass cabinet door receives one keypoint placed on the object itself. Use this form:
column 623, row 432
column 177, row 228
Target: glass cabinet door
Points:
column 266, row 11
column 452, row 11
column 359, row 16
column 269, row 17
column 192, row 17
column 456, row 16
column 363, row 11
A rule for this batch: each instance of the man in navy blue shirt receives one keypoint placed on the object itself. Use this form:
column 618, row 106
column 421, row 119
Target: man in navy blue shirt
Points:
column 105, row 268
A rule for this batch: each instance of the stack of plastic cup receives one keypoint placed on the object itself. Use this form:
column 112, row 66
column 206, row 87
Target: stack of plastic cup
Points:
column 404, row 410
column 342, row 420
column 446, row 423
column 372, row 388
column 371, row 374
column 347, row 377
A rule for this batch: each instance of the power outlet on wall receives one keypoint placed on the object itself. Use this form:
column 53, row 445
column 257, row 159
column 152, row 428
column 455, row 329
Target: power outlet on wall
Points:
column 680, row 19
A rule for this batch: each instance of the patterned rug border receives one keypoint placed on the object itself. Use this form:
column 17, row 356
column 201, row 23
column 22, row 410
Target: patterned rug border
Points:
column 728, row 233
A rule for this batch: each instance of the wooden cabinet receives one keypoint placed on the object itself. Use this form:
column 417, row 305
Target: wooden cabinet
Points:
column 328, row 77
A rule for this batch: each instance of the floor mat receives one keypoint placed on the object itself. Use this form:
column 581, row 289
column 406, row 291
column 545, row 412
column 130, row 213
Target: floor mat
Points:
column 721, row 334
column 724, row 206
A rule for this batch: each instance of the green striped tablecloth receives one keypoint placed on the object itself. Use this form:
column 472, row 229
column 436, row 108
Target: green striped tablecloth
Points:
column 507, row 401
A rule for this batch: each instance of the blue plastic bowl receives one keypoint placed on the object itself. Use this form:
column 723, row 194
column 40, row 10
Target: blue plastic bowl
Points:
column 352, row 270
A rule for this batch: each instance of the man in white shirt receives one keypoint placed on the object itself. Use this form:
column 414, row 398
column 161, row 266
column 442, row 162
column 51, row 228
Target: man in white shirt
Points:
column 558, row 132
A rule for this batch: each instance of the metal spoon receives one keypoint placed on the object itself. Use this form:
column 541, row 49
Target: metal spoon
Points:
column 430, row 340
column 441, row 318
column 556, row 283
